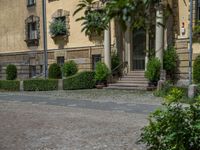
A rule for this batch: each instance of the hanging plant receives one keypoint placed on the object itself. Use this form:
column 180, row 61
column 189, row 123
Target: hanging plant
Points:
column 58, row 27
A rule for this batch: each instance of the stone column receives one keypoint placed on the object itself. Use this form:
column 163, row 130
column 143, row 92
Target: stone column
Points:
column 107, row 47
column 128, row 48
column 147, row 49
column 159, row 43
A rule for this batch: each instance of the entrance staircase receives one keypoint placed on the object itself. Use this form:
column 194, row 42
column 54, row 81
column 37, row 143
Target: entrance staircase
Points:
column 134, row 80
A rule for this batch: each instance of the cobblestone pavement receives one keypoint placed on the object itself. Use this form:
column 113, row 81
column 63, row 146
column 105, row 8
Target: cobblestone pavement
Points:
column 63, row 120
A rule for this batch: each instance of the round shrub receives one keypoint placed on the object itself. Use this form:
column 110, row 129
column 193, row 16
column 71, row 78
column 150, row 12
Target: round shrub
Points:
column 102, row 72
column 153, row 70
column 54, row 71
column 196, row 70
column 170, row 60
column 11, row 72
column 69, row 68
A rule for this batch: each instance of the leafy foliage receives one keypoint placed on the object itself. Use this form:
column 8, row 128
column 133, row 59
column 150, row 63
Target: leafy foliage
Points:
column 153, row 70
column 102, row 72
column 9, row 85
column 170, row 62
column 11, row 72
column 196, row 70
column 94, row 23
column 69, row 68
column 115, row 62
column 84, row 5
column 40, row 85
column 58, row 27
column 82, row 80
column 174, row 127
column 196, row 32
column 55, row 71
column 127, row 12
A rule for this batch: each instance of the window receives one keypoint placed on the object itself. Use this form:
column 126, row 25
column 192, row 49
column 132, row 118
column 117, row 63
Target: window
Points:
column 31, row 3
column 95, row 59
column 60, row 60
column 32, row 27
column 32, row 71
column 32, row 32
column 63, row 19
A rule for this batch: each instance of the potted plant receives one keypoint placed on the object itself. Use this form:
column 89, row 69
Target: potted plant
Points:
column 153, row 71
column 58, row 29
column 101, row 74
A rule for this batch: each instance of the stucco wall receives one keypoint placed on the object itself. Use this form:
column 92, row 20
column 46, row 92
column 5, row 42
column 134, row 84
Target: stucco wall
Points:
column 12, row 24
column 76, row 37
column 183, row 17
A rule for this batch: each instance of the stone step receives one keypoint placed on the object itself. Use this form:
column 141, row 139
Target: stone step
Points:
column 129, row 84
column 133, row 82
column 135, row 74
column 126, row 88
column 182, row 51
column 127, row 78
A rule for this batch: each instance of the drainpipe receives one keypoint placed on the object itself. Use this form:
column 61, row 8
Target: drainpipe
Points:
column 45, row 38
column 190, row 47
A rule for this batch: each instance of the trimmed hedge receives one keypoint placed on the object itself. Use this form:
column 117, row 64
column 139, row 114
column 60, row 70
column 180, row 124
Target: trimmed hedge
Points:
column 196, row 70
column 9, row 85
column 82, row 80
column 40, row 85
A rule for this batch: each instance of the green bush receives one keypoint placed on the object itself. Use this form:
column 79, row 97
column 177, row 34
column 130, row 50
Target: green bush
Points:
column 40, row 85
column 55, row 71
column 9, row 85
column 196, row 70
column 69, row 68
column 102, row 72
column 58, row 27
column 174, row 126
column 170, row 62
column 165, row 89
column 115, row 62
column 153, row 70
column 11, row 72
column 82, row 80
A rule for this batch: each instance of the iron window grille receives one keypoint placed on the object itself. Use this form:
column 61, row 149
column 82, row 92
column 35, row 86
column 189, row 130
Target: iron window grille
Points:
column 32, row 30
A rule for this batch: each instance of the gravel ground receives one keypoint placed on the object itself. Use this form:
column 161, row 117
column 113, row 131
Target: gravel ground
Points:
column 40, row 126
column 105, row 95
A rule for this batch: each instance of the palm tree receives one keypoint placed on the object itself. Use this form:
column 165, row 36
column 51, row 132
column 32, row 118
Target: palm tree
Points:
column 127, row 12
column 84, row 5
column 93, row 21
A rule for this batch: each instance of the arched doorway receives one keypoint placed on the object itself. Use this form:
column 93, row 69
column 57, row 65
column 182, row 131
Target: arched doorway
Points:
column 139, row 49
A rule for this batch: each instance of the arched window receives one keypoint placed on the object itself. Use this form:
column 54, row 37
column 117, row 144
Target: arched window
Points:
column 32, row 30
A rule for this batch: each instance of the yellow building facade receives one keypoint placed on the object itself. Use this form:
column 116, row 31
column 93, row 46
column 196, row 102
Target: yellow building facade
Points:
column 21, row 38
